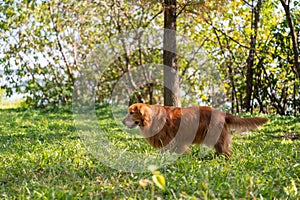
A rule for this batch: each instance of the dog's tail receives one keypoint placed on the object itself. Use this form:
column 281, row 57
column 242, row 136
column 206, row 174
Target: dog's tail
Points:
column 244, row 124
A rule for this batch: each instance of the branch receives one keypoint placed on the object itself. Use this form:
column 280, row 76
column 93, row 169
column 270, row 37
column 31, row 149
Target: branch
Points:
column 246, row 2
column 154, row 16
column 293, row 35
column 60, row 45
column 182, row 8
column 223, row 33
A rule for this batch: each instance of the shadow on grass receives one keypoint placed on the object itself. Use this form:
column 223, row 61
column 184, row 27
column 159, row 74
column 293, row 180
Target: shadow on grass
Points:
column 20, row 125
column 292, row 136
column 34, row 136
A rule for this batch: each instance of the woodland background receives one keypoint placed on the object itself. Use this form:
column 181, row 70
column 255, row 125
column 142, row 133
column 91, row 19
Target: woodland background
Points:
column 232, row 54
column 253, row 44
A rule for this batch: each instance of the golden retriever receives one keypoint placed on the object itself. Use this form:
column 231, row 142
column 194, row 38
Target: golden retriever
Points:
column 174, row 129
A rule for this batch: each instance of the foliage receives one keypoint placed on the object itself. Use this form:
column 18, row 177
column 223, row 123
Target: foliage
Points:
column 43, row 157
column 50, row 45
column 227, row 40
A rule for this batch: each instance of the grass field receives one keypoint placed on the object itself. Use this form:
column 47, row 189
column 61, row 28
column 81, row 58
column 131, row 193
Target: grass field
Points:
column 42, row 157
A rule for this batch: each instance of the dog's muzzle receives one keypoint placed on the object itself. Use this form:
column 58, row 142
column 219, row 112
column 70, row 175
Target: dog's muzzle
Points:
column 130, row 125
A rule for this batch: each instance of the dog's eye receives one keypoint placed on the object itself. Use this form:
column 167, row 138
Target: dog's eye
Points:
column 136, row 122
column 131, row 112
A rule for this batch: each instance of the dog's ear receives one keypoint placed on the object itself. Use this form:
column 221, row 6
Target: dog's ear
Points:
column 145, row 113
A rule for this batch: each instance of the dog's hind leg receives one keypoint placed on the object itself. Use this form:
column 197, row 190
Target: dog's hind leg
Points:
column 223, row 144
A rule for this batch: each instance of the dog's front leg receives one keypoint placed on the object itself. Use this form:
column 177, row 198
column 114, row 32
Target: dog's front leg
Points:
column 182, row 149
column 179, row 149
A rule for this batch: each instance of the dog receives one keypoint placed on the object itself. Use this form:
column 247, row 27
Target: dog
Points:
column 173, row 129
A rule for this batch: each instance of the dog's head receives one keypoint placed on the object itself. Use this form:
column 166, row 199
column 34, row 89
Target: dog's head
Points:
column 138, row 115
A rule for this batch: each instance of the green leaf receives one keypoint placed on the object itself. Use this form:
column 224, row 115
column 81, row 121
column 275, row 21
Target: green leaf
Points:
column 159, row 180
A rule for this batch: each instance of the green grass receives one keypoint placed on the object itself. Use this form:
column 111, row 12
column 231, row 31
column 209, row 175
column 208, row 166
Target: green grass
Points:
column 6, row 104
column 42, row 157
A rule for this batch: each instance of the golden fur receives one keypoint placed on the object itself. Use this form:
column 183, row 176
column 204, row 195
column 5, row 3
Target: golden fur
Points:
column 173, row 128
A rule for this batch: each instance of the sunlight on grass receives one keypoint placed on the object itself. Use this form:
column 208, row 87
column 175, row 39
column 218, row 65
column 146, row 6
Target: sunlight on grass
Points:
column 5, row 104
column 43, row 157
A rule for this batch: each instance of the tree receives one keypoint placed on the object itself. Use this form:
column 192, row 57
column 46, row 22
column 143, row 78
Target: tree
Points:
column 250, row 46
column 287, row 9
column 171, row 82
column 250, row 60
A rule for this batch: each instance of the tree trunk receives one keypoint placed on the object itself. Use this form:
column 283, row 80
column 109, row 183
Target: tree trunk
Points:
column 250, row 60
column 233, row 90
column 294, row 36
column 171, row 81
